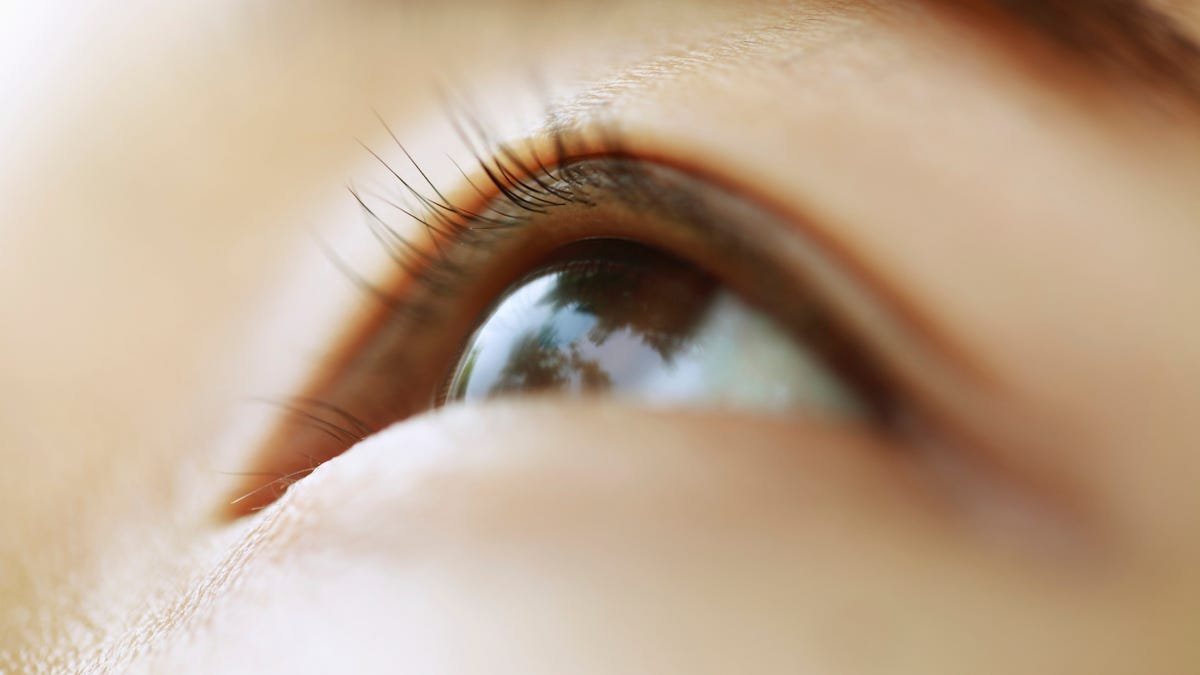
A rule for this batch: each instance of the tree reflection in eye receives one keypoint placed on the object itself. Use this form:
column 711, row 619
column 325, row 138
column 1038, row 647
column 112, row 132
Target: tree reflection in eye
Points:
column 618, row 318
column 543, row 361
column 593, row 324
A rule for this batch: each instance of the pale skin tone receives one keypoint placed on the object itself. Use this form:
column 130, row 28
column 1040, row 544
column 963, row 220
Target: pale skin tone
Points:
column 168, row 166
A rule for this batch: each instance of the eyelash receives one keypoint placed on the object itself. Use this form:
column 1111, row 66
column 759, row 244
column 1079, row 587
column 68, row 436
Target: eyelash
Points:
column 523, row 188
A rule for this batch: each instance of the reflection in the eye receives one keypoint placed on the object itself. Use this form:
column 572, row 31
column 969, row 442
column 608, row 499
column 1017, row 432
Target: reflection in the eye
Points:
column 589, row 325
column 628, row 321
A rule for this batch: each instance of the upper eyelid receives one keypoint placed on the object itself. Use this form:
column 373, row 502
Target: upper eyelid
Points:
column 847, row 281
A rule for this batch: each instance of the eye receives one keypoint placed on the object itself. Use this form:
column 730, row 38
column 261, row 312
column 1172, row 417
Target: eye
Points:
column 606, row 275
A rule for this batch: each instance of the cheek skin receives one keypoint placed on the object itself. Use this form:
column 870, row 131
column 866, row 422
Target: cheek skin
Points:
column 617, row 540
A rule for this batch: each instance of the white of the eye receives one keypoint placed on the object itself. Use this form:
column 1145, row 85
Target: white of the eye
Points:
column 739, row 358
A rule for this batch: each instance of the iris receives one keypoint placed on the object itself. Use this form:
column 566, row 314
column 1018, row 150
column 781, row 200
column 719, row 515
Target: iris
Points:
column 618, row 318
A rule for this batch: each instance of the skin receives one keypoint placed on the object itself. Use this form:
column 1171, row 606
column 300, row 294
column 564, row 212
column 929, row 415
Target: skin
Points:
column 167, row 166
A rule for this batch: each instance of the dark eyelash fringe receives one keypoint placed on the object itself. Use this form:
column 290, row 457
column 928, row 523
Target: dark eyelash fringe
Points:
column 522, row 187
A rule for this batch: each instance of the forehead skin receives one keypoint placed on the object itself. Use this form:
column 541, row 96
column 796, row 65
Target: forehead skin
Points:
column 166, row 166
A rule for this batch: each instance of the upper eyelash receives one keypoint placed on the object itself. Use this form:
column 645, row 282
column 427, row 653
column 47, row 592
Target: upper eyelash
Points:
column 522, row 185
column 522, row 188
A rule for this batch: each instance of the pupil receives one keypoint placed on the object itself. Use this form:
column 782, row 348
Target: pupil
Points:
column 603, row 317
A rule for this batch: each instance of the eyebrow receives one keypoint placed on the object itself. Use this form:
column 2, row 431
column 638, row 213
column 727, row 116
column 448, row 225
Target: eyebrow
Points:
column 1129, row 38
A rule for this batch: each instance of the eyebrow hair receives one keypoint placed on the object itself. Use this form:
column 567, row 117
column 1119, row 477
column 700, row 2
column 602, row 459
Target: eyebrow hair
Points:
column 1130, row 38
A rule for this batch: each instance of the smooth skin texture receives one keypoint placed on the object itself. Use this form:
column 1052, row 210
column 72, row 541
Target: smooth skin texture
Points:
column 167, row 164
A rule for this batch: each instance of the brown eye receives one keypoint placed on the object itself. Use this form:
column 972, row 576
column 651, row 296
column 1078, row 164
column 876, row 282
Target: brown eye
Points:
column 619, row 318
